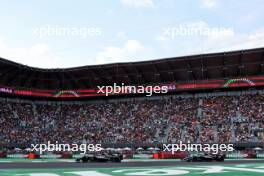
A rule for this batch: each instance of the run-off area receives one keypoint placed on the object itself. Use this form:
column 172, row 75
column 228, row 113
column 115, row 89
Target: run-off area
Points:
column 217, row 170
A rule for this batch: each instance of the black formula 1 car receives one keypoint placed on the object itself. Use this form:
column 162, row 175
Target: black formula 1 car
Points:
column 100, row 158
column 205, row 158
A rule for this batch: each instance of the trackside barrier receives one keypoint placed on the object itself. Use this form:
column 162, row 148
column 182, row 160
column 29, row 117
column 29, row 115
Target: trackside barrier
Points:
column 169, row 155
column 155, row 156
column 236, row 155
column 31, row 156
column 17, row 156
column 3, row 155
column 142, row 156
column 50, row 156
column 260, row 155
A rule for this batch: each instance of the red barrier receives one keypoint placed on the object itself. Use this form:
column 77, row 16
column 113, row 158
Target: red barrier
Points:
column 169, row 155
column 155, row 156
column 31, row 156
column 3, row 154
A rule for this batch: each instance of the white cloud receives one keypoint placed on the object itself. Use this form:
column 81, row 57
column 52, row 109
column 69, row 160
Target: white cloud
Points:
column 131, row 51
column 38, row 55
column 236, row 42
column 198, row 44
column 193, row 29
column 209, row 3
column 224, row 43
column 190, row 32
column 138, row 3
column 122, row 35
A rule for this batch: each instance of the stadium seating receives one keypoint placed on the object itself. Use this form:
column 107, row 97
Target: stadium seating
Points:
column 168, row 119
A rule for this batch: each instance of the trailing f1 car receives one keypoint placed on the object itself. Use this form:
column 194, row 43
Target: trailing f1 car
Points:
column 100, row 158
column 204, row 158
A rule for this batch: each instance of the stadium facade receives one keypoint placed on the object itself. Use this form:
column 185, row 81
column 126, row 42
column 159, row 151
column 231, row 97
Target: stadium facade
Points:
column 207, row 71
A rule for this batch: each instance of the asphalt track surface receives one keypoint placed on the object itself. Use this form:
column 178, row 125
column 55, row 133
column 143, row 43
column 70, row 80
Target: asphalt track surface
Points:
column 21, row 165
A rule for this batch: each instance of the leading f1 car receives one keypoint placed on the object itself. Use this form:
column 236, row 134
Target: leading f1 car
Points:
column 105, row 157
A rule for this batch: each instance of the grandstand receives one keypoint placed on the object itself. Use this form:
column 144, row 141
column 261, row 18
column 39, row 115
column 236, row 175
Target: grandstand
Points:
column 212, row 98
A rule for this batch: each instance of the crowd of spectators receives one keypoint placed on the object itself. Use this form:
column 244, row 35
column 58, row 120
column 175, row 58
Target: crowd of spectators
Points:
column 207, row 119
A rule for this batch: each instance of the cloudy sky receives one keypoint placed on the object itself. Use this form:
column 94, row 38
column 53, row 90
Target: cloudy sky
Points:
column 68, row 33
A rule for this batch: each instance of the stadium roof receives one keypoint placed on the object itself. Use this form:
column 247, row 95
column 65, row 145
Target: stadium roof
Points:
column 168, row 70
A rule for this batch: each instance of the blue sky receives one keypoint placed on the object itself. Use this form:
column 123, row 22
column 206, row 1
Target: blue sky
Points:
column 106, row 31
